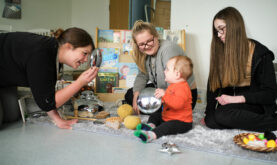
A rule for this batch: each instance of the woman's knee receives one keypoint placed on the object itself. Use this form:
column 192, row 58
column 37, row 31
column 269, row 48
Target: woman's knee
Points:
column 210, row 122
column 214, row 120
column 223, row 117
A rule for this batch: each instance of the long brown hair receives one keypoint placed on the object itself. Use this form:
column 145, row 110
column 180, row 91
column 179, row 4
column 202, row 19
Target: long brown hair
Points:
column 75, row 36
column 138, row 56
column 228, row 60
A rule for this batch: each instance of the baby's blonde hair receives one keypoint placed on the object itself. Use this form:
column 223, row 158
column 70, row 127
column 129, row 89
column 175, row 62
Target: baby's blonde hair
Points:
column 184, row 65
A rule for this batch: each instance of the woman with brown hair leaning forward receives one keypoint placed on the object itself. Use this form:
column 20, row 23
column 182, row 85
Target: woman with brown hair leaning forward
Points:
column 32, row 60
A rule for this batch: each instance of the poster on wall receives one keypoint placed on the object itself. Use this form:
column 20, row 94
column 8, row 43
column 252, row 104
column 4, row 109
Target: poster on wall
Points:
column 12, row 9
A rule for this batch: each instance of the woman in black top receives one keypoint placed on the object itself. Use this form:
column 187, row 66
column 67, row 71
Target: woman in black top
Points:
column 31, row 60
column 241, row 88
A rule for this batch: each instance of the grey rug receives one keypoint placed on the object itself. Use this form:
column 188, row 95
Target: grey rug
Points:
column 199, row 138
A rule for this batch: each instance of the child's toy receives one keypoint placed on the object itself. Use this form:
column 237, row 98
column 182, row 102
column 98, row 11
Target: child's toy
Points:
column 96, row 58
column 113, row 122
column 245, row 140
column 86, row 106
column 170, row 148
column 147, row 102
column 261, row 136
column 271, row 143
column 102, row 115
column 251, row 137
column 131, row 122
column 88, row 101
column 256, row 142
column 85, row 114
column 124, row 111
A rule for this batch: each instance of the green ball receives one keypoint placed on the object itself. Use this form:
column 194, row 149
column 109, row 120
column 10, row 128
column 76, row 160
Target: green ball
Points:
column 261, row 136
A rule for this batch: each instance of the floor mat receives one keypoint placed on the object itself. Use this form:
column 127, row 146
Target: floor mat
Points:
column 199, row 138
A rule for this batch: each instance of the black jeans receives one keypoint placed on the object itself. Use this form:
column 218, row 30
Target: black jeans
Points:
column 9, row 108
column 241, row 116
column 172, row 127
column 129, row 95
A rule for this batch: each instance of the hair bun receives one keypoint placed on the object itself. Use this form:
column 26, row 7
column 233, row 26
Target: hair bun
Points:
column 58, row 33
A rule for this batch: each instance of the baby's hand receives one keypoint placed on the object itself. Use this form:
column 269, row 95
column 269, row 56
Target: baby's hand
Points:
column 159, row 93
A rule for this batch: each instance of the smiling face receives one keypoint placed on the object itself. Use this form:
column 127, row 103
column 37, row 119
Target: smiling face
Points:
column 220, row 27
column 147, row 43
column 74, row 57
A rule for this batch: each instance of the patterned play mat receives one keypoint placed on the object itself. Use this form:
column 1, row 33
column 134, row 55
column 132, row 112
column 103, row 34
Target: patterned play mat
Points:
column 199, row 138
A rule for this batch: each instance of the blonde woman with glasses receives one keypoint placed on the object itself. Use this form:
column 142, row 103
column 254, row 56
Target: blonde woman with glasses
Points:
column 151, row 55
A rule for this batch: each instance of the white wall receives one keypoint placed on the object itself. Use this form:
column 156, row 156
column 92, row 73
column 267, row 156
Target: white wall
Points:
column 196, row 17
column 53, row 14
column 89, row 14
column 46, row 14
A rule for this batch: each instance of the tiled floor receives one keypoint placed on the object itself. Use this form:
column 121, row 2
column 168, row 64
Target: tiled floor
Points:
column 38, row 145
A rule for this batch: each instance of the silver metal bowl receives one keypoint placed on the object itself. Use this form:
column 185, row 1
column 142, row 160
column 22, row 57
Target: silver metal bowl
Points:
column 147, row 102
column 96, row 58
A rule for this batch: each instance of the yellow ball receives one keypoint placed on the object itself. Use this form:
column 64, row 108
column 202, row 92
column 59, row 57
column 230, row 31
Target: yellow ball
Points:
column 271, row 143
column 124, row 110
column 131, row 122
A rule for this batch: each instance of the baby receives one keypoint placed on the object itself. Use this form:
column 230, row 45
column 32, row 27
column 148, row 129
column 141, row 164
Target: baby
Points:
column 176, row 116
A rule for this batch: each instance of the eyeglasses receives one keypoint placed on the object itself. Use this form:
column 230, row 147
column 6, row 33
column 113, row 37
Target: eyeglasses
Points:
column 220, row 31
column 148, row 43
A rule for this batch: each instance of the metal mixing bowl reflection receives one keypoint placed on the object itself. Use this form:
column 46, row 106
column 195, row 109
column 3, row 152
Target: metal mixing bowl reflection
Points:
column 147, row 102
column 96, row 58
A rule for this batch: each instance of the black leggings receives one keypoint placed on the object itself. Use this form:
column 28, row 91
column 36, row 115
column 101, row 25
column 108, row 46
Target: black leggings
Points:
column 171, row 127
column 129, row 95
column 241, row 116
column 9, row 108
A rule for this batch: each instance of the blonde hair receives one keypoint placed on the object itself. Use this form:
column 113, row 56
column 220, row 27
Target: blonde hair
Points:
column 184, row 65
column 138, row 56
column 228, row 60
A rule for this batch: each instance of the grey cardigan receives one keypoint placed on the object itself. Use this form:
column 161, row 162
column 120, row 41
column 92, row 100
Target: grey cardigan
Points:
column 167, row 50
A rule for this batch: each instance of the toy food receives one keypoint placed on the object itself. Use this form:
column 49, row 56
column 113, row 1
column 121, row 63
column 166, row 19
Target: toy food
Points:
column 271, row 143
column 245, row 140
column 102, row 115
column 85, row 114
column 251, row 137
column 113, row 122
column 124, row 110
column 256, row 143
column 264, row 145
column 131, row 122
column 261, row 136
